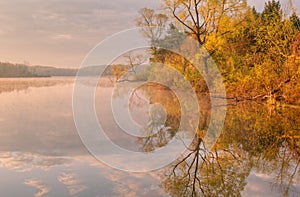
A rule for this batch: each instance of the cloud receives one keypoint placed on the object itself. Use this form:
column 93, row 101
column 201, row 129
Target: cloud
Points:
column 34, row 30
column 63, row 37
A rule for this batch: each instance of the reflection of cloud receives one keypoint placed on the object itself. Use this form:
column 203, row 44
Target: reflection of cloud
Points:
column 133, row 184
column 76, row 183
column 259, row 185
column 127, row 183
column 72, row 182
column 39, row 185
column 22, row 162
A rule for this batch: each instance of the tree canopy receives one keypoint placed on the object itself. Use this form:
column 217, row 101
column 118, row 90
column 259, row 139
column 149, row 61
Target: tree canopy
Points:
column 256, row 52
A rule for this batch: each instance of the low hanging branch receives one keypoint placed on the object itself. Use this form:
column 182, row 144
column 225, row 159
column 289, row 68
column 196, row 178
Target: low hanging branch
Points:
column 271, row 93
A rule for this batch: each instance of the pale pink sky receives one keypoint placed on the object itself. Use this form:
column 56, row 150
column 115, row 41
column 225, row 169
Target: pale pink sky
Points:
column 62, row 32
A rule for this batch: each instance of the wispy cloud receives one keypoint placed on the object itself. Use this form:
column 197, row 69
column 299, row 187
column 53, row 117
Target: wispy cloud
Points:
column 63, row 37
column 36, row 29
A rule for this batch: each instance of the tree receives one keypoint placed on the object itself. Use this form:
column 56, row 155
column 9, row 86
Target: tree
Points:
column 200, row 18
column 152, row 23
column 257, row 59
column 295, row 20
column 272, row 11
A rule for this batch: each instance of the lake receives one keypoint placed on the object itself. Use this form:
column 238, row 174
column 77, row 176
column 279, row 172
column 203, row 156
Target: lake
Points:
column 41, row 152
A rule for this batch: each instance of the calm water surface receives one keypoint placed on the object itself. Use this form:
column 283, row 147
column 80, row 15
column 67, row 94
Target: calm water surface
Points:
column 41, row 154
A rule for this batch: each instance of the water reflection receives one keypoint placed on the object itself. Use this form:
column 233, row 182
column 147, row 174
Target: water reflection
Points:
column 72, row 182
column 23, row 84
column 26, row 161
column 254, row 141
column 41, row 153
column 39, row 185
column 163, row 120
column 258, row 153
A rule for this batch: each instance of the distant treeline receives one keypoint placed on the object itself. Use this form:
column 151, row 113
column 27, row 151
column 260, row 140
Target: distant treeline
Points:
column 22, row 70
column 15, row 70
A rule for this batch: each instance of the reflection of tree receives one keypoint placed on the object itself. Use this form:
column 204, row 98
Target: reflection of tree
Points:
column 255, row 138
column 209, row 173
column 164, row 118
column 20, row 84
column 156, row 137
column 289, row 161
column 271, row 137
column 252, row 139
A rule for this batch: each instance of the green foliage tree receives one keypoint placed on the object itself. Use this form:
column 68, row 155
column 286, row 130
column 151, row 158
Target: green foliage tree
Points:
column 295, row 20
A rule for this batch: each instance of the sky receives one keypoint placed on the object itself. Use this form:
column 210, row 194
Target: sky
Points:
column 62, row 32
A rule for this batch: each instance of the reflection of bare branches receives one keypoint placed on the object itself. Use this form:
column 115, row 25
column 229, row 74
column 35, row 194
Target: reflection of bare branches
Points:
column 285, row 173
column 157, row 133
column 164, row 115
column 253, row 139
column 159, row 139
column 138, row 99
column 206, row 173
